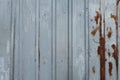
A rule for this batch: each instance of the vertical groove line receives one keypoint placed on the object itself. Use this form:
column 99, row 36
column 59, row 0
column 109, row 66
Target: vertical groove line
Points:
column 88, row 40
column 55, row 39
column 72, row 39
column 39, row 42
column 36, row 38
column 68, row 35
column 52, row 46
column 70, row 63
column 86, row 32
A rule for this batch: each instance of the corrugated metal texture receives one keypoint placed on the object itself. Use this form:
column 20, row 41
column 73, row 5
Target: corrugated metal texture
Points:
column 47, row 46
column 59, row 40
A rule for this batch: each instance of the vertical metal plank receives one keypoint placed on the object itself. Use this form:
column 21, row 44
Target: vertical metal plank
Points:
column 110, row 33
column 5, row 26
column 61, row 39
column 25, row 40
column 45, row 40
column 94, row 63
column 78, row 40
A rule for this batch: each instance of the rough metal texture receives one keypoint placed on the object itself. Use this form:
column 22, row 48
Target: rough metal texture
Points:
column 59, row 40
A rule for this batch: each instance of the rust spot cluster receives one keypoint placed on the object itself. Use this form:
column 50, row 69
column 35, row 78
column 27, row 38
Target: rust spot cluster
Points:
column 101, row 50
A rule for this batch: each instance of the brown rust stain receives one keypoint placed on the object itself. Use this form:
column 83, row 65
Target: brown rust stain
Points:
column 110, row 68
column 93, row 69
column 101, row 47
column 109, row 33
column 94, row 31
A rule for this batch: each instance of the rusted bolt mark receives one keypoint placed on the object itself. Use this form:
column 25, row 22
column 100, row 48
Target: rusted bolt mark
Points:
column 93, row 69
column 110, row 68
column 110, row 33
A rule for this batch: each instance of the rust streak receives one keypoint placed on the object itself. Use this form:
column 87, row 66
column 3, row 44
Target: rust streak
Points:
column 101, row 47
column 110, row 68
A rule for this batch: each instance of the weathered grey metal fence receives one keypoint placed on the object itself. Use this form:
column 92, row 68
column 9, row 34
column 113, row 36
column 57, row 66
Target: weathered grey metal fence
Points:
column 59, row 40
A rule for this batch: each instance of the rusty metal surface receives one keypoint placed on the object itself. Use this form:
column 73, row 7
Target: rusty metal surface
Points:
column 59, row 39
